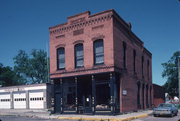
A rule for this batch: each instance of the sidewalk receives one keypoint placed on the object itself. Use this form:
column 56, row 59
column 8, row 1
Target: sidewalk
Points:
column 47, row 115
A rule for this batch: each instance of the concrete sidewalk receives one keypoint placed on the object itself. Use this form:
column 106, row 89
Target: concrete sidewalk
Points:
column 46, row 115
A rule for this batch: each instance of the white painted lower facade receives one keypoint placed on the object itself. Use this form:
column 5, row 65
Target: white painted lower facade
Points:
column 5, row 101
column 25, row 97
column 19, row 99
column 36, row 100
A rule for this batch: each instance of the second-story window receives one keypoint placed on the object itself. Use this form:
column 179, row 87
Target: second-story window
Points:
column 148, row 69
column 124, row 55
column 142, row 66
column 134, row 61
column 60, row 58
column 98, row 52
column 79, row 55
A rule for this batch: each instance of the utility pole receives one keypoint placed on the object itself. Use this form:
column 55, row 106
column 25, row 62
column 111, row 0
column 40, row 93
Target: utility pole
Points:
column 179, row 75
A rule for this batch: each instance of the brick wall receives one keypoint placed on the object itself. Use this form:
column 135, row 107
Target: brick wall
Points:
column 159, row 94
column 109, row 26
column 122, row 33
column 90, row 28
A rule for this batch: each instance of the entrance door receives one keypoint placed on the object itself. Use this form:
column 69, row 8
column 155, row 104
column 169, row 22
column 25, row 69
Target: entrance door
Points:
column 57, row 103
column 84, row 94
column 102, row 96
column 69, row 95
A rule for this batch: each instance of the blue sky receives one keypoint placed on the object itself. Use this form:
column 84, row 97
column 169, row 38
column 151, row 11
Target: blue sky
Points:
column 24, row 24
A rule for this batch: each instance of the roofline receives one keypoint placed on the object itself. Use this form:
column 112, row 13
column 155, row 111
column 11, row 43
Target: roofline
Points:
column 58, row 25
column 99, row 13
column 106, row 11
column 86, row 12
column 30, row 85
column 148, row 52
column 157, row 85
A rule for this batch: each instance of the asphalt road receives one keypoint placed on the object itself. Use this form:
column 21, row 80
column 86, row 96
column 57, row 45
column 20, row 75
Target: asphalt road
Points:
column 162, row 118
column 18, row 118
column 150, row 118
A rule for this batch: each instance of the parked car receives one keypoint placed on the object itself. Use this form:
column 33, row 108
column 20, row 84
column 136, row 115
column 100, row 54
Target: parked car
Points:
column 165, row 109
column 177, row 106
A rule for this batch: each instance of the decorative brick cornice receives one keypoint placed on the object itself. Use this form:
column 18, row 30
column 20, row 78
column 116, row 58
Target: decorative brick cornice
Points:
column 69, row 27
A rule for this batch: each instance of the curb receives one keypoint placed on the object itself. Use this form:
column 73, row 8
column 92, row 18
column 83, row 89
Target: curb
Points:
column 105, row 119
column 82, row 118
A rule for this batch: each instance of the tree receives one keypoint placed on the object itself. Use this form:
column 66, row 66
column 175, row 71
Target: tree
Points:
column 33, row 68
column 171, row 73
column 8, row 77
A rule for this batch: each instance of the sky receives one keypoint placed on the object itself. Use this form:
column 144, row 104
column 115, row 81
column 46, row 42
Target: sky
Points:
column 24, row 24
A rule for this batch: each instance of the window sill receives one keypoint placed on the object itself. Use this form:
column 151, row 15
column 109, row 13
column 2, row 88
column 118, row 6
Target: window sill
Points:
column 98, row 64
column 79, row 67
column 61, row 69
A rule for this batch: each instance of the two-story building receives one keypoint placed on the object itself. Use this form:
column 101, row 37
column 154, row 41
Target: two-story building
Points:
column 98, row 64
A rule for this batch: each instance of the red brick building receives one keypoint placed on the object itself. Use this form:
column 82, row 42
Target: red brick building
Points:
column 159, row 95
column 98, row 64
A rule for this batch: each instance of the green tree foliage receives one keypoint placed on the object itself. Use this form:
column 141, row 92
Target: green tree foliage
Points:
column 8, row 77
column 32, row 68
column 171, row 73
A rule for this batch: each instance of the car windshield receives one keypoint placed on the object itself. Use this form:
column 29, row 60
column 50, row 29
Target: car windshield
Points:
column 165, row 105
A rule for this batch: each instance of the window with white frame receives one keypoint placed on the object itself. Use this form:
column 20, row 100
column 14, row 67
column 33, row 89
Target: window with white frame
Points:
column 60, row 58
column 79, row 55
column 98, row 52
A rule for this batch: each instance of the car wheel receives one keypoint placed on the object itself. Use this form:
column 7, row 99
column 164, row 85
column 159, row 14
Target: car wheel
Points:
column 176, row 113
column 155, row 115
column 172, row 114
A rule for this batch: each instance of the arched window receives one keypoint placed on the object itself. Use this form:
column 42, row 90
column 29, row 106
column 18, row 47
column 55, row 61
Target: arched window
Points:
column 98, row 52
column 79, row 55
column 60, row 58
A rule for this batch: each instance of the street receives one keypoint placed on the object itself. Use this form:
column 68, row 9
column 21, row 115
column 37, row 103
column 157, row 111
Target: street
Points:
column 20, row 118
column 149, row 118
column 162, row 118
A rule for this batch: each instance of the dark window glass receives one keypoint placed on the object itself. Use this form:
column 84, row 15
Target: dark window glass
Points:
column 60, row 58
column 79, row 55
column 98, row 52
column 124, row 54
column 142, row 66
column 134, row 61
column 148, row 69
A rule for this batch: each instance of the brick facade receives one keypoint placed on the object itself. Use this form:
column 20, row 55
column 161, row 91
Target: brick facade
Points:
column 114, row 31
column 159, row 95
